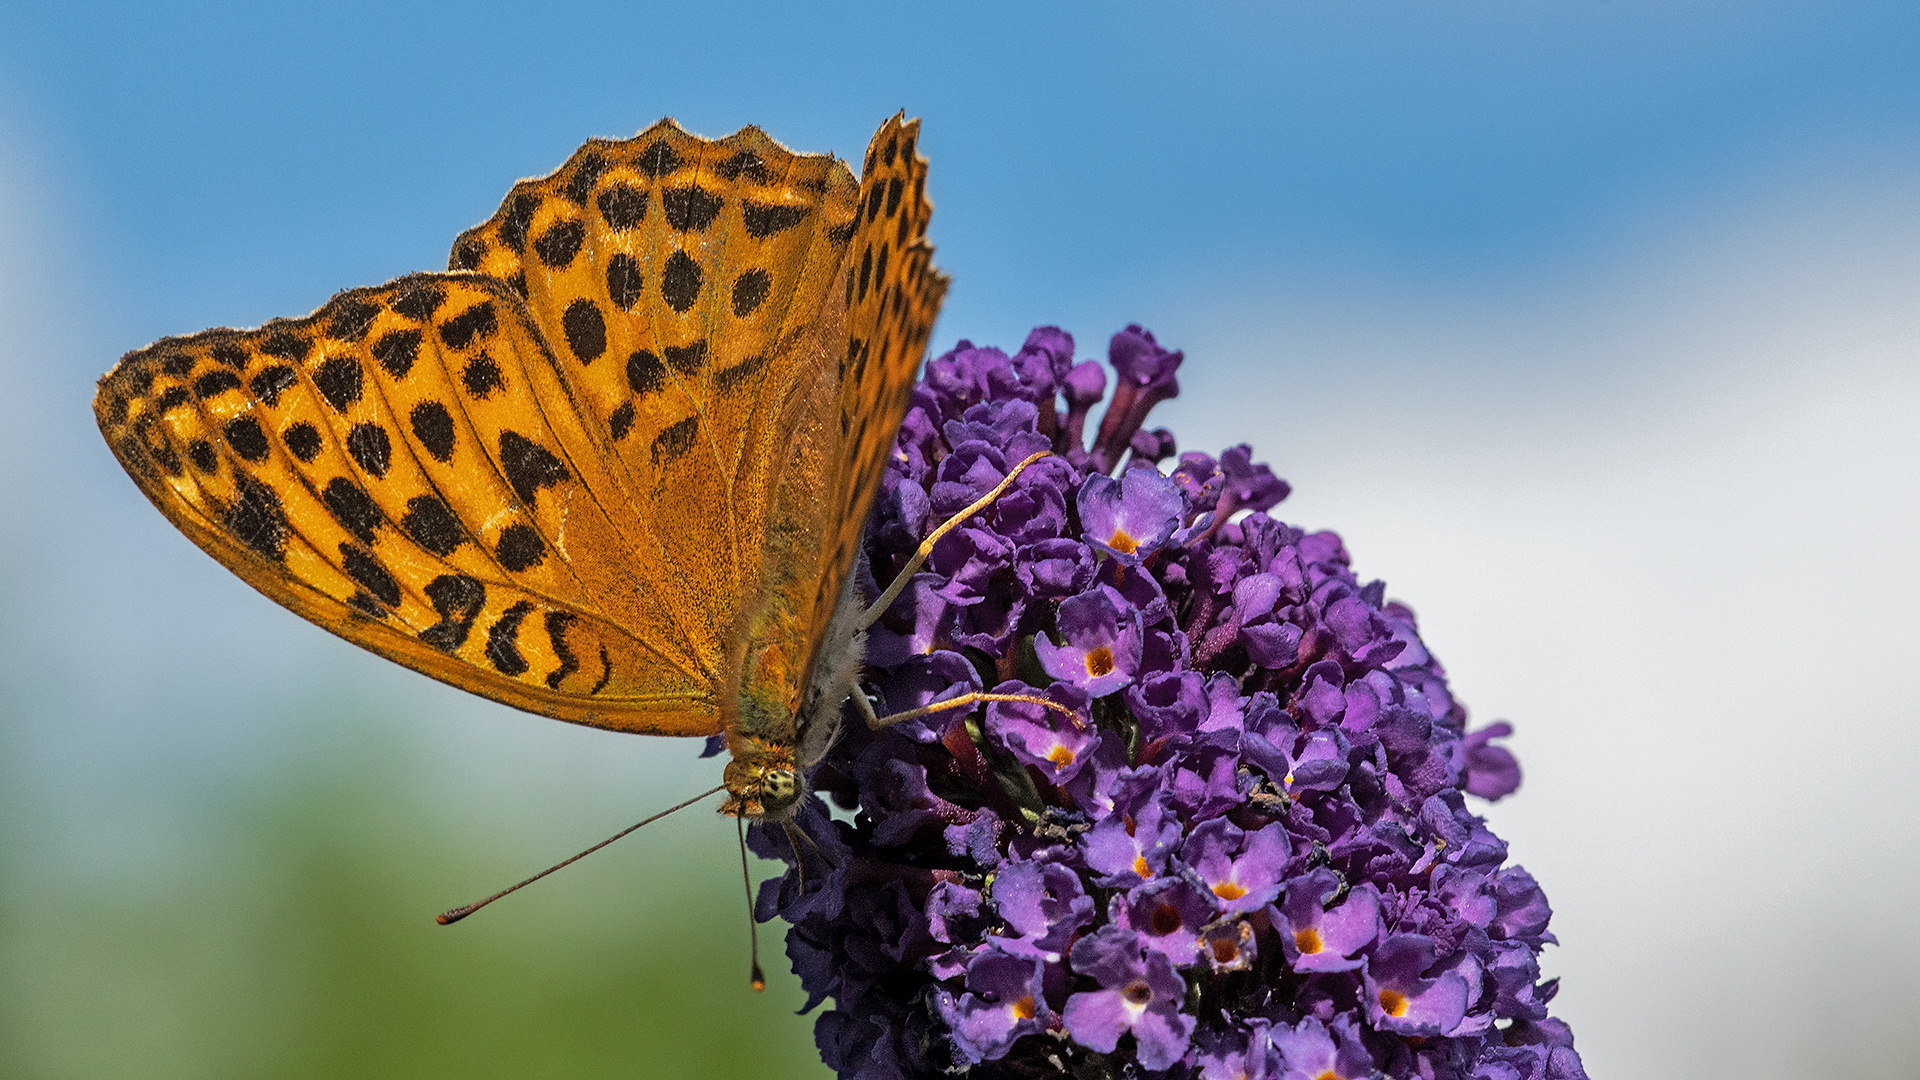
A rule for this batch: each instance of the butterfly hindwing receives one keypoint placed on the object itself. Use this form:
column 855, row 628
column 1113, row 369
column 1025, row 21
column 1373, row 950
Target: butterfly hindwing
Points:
column 892, row 295
column 403, row 468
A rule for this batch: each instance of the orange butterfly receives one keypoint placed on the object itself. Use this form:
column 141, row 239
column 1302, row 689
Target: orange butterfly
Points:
column 612, row 467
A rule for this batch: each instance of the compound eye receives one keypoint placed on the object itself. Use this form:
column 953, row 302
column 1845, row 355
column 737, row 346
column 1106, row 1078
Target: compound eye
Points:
column 780, row 784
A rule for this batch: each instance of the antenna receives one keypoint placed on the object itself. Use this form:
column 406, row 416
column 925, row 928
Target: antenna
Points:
column 757, row 978
column 448, row 918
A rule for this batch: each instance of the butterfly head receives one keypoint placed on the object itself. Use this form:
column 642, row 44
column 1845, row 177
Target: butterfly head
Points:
column 763, row 782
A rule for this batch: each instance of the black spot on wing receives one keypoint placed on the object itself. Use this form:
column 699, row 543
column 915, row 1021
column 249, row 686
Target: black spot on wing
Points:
column 675, row 440
column 520, row 210
column 585, row 174
column 369, row 445
column 176, row 364
column 350, row 318
column 624, row 280
column 502, row 650
column 468, row 253
column 474, row 324
column 528, row 465
column 690, row 209
column 286, row 345
column 560, row 243
column 163, row 454
column 457, row 599
column 353, row 508
column 620, row 421
column 214, row 382
column 687, row 359
column 396, row 351
column 623, row 206
column 367, row 572
column 585, row 328
column 557, row 623
column 606, row 672
column 175, row 397
column 418, row 301
column 302, row 440
column 481, row 376
column 680, row 282
column 659, row 159
column 732, row 378
column 432, row 525
column 231, row 354
column 270, row 381
column 203, row 455
column 257, row 519
column 340, row 381
column 765, row 219
column 745, row 163
column 645, row 373
column 433, row 429
column 750, row 291
column 520, row 547
column 247, row 438
column 894, row 187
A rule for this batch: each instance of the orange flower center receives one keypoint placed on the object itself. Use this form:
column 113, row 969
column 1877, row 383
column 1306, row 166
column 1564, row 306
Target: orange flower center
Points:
column 1307, row 940
column 1122, row 543
column 1060, row 756
column 1023, row 1009
column 1140, row 866
column 1100, row 661
column 1138, row 993
column 1393, row 1003
column 1228, row 890
column 1225, row 951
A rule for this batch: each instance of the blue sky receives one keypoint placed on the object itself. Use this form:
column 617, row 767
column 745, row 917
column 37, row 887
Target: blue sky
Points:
column 1087, row 157
column 1592, row 326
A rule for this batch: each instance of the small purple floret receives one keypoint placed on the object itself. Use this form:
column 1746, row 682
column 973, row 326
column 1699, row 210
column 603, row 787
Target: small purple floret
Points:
column 1101, row 647
column 1139, row 994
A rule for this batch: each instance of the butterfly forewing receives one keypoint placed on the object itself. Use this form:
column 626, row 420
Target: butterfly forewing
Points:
column 397, row 468
column 569, row 473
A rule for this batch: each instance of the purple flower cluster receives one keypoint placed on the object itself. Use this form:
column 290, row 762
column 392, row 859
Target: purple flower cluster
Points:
column 1246, row 855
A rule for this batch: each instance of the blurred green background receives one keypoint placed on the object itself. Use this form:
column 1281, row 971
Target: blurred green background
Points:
column 1593, row 326
column 289, row 931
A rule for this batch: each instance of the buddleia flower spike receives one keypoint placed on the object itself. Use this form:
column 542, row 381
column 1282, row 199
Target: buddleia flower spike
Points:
column 1236, row 845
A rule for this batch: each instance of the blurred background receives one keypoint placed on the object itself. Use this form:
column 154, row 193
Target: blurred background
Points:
column 1592, row 326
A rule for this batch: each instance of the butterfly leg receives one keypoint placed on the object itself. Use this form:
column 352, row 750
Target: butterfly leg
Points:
column 865, row 704
column 963, row 701
column 919, row 559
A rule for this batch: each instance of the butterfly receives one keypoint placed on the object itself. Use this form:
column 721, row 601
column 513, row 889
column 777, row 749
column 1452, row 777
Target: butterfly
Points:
column 612, row 467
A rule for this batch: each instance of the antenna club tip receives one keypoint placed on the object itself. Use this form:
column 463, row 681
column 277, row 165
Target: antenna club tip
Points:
column 759, row 980
column 448, row 918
